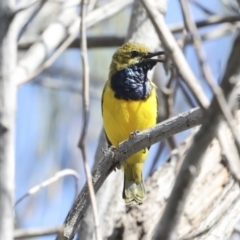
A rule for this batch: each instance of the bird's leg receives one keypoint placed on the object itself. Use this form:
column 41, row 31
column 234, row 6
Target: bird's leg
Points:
column 110, row 150
column 134, row 134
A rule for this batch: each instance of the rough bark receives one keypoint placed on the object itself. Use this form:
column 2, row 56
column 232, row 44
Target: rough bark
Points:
column 7, row 117
column 212, row 209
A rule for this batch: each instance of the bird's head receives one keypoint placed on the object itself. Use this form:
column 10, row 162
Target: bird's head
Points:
column 129, row 54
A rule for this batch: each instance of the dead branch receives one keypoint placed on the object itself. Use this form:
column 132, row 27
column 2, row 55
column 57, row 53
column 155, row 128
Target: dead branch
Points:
column 61, row 32
column 38, row 232
column 85, row 101
column 211, row 211
column 193, row 159
column 127, row 148
column 8, row 87
column 175, row 53
column 46, row 183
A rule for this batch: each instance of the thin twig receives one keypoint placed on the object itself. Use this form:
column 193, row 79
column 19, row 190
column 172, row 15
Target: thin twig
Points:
column 224, row 29
column 167, row 93
column 56, row 177
column 85, row 101
column 20, row 9
column 218, row 92
column 229, row 25
column 212, row 20
column 38, row 232
column 175, row 53
column 203, row 8
column 30, row 19
column 93, row 42
column 193, row 159
column 187, row 94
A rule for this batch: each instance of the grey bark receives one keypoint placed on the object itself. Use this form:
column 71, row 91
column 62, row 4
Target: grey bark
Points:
column 211, row 210
column 8, row 49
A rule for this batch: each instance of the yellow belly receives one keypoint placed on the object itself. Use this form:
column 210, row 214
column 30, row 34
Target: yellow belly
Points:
column 121, row 117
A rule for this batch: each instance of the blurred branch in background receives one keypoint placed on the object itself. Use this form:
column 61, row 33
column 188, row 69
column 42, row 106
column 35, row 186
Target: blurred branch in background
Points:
column 8, row 88
column 192, row 162
column 31, row 233
column 228, row 25
column 207, row 73
column 30, row 19
column 175, row 53
column 56, row 177
column 57, row 37
column 86, row 112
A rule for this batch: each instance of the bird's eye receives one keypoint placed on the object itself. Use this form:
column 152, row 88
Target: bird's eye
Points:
column 134, row 54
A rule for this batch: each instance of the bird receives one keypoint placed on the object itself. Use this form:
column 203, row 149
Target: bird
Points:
column 129, row 105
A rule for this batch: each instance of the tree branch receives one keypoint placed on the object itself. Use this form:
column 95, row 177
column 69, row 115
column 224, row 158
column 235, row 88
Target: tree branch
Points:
column 8, row 57
column 207, row 73
column 56, row 177
column 175, row 53
column 229, row 25
column 125, row 149
column 62, row 31
column 85, row 103
column 193, row 159
column 38, row 232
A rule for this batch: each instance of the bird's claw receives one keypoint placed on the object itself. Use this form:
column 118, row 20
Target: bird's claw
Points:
column 110, row 150
column 134, row 134
column 118, row 166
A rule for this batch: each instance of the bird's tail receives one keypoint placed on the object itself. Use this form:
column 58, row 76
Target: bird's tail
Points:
column 133, row 188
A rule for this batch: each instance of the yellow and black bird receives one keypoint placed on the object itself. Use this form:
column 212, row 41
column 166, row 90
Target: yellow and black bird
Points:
column 129, row 104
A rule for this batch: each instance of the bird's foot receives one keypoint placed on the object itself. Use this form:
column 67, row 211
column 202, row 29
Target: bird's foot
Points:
column 134, row 134
column 110, row 151
column 117, row 166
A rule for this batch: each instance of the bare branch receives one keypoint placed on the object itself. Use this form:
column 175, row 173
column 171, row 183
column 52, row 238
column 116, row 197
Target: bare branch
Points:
column 230, row 24
column 175, row 53
column 30, row 66
column 20, row 9
column 191, row 27
column 193, row 159
column 212, row 20
column 56, row 177
column 31, row 17
column 93, row 42
column 142, row 140
column 203, row 8
column 85, row 101
column 38, row 232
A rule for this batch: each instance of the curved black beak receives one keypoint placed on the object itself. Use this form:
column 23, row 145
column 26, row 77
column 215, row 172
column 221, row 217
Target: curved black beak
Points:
column 150, row 55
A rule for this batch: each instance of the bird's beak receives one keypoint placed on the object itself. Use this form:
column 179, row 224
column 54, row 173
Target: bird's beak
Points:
column 150, row 55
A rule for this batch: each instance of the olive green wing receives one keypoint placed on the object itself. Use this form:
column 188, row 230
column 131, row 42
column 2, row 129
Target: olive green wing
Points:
column 108, row 142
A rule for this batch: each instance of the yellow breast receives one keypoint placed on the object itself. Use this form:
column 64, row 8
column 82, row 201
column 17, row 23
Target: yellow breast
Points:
column 121, row 117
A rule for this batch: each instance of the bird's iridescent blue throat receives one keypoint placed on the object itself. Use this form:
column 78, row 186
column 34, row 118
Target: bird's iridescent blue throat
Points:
column 131, row 83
